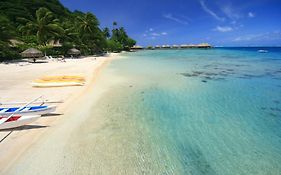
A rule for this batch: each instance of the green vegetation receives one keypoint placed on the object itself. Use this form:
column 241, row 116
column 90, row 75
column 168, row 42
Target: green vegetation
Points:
column 40, row 24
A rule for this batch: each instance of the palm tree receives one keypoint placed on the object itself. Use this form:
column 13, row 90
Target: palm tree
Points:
column 87, row 24
column 106, row 32
column 70, row 32
column 90, row 34
column 114, row 24
column 45, row 26
column 6, row 29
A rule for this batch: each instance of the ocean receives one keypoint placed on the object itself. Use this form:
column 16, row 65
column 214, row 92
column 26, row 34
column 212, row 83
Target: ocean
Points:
column 194, row 111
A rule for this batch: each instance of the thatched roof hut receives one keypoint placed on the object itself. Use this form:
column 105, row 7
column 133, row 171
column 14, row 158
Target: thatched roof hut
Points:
column 31, row 53
column 15, row 43
column 74, row 51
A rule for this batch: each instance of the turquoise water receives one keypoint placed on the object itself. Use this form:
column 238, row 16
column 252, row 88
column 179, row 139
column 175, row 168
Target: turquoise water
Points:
column 215, row 111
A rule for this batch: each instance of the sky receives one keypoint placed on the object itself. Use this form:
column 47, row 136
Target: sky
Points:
column 218, row 22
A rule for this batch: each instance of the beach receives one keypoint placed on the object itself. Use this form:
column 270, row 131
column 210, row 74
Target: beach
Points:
column 15, row 86
column 183, row 111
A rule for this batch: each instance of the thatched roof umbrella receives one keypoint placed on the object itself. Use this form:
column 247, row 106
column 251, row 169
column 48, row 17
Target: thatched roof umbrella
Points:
column 32, row 53
column 74, row 51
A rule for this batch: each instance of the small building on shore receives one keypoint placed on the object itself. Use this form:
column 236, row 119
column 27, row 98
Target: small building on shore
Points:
column 137, row 47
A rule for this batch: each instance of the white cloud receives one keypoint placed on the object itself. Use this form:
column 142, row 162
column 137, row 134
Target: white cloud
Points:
column 209, row 11
column 178, row 20
column 231, row 13
column 223, row 29
column 245, row 38
column 269, row 36
column 158, row 34
column 251, row 15
column 155, row 34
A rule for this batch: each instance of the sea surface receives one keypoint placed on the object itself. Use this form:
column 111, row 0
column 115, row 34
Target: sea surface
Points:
column 196, row 111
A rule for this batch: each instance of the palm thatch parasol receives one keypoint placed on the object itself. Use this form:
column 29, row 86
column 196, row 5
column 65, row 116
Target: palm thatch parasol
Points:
column 32, row 53
column 74, row 51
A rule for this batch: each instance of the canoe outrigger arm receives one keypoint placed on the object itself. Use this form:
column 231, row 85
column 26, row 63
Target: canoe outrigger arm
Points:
column 41, row 103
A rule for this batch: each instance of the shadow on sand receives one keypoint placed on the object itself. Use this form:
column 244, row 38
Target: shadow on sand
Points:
column 51, row 115
column 24, row 62
column 25, row 127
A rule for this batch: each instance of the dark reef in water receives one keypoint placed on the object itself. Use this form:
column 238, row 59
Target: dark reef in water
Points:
column 194, row 161
column 273, row 111
column 219, row 71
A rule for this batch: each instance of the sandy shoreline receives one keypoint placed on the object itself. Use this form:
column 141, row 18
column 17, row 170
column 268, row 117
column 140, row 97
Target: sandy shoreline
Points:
column 15, row 85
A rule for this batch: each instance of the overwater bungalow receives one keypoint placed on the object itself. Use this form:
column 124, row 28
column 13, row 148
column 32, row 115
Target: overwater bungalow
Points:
column 184, row 46
column 204, row 45
column 165, row 46
column 136, row 47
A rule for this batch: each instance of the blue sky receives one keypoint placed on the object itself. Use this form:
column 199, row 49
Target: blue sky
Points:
column 218, row 22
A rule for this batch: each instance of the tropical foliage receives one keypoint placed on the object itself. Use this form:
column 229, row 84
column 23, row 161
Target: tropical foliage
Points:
column 6, row 32
column 42, row 23
column 45, row 26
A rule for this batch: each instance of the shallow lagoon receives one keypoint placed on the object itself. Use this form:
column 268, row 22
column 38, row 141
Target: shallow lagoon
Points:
column 215, row 111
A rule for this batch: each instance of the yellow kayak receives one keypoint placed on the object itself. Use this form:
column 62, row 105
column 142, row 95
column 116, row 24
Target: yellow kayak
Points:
column 57, row 81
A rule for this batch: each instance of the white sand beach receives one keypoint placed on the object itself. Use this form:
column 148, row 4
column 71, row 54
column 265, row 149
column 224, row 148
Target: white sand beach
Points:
column 15, row 85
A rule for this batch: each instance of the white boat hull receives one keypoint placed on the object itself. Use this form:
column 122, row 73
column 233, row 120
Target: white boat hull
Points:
column 23, row 120
column 43, row 111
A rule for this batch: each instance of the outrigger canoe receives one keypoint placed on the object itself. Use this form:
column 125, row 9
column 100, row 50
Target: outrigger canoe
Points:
column 28, row 110
column 16, row 121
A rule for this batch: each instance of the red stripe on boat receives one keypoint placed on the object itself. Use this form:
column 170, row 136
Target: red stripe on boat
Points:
column 14, row 118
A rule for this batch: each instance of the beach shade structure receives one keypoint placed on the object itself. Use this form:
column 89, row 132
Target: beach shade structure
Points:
column 32, row 53
column 74, row 51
